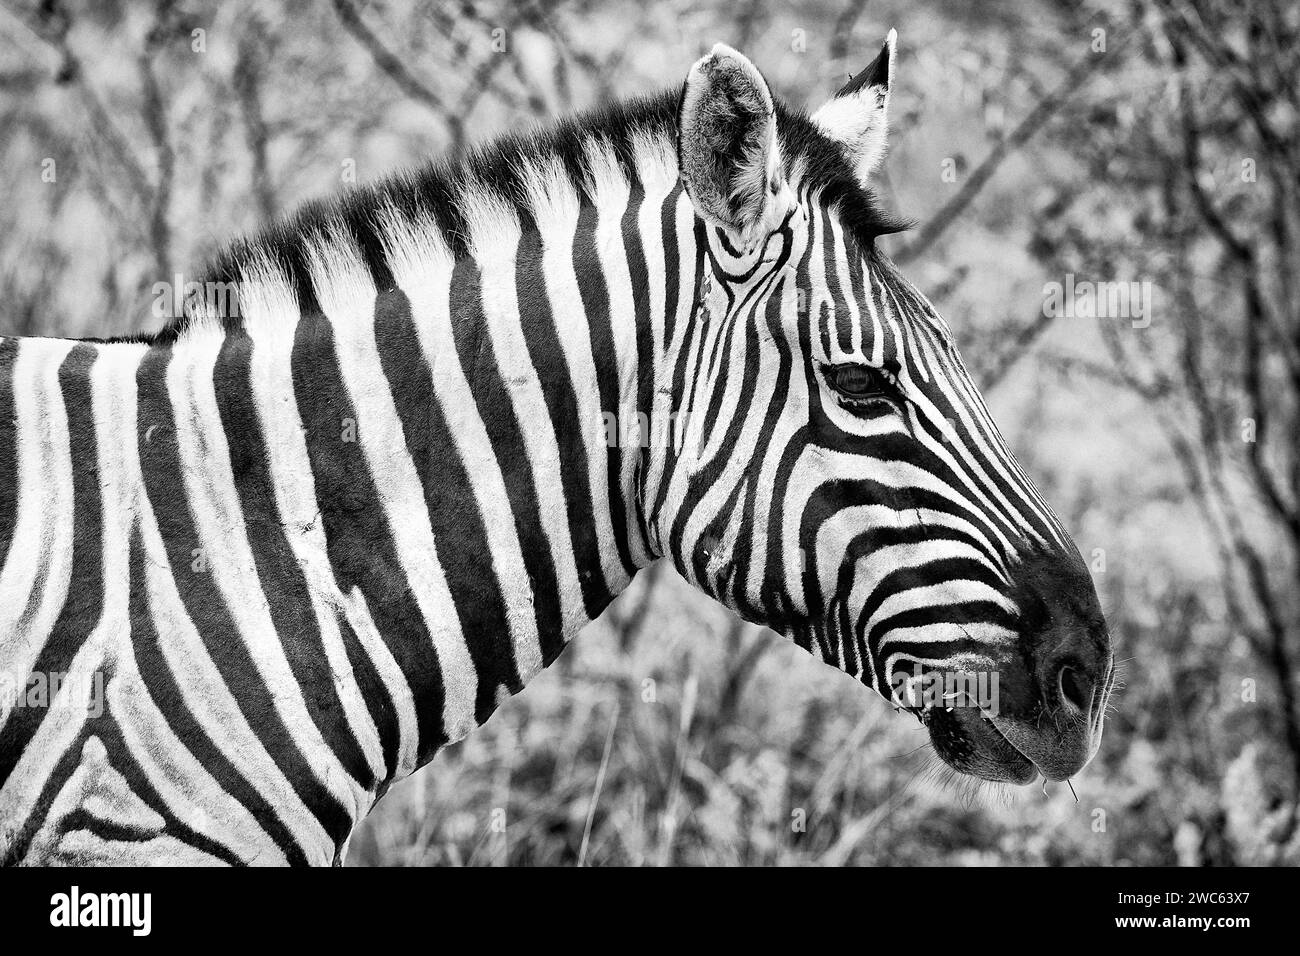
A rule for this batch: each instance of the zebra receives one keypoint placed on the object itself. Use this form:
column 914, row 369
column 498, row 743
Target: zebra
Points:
column 272, row 558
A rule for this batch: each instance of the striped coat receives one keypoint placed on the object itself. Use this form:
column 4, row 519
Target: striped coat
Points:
column 270, row 560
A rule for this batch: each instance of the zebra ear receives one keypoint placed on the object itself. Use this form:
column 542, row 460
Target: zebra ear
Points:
column 857, row 116
column 726, row 142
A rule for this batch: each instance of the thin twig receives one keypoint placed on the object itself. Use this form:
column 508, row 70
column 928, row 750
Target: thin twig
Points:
column 600, row 783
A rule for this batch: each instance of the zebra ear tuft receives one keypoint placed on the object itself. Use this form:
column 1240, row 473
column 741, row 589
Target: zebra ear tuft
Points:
column 726, row 142
column 857, row 117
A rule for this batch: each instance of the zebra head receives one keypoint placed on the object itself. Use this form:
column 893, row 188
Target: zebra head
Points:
column 841, row 479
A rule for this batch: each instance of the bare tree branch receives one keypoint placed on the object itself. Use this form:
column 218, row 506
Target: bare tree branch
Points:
column 154, row 111
column 249, row 64
column 52, row 26
column 391, row 64
column 1038, row 117
column 1021, row 344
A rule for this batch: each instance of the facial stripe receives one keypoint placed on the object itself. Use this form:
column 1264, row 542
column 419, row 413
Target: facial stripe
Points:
column 936, row 466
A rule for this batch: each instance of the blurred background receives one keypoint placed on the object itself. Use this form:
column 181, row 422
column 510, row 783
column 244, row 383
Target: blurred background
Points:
column 1151, row 141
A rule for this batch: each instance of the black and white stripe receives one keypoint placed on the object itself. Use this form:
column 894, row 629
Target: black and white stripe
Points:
column 309, row 544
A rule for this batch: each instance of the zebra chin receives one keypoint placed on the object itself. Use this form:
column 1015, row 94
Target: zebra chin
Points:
column 970, row 742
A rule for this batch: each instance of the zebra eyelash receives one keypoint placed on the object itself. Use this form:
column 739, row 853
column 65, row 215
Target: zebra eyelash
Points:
column 889, row 394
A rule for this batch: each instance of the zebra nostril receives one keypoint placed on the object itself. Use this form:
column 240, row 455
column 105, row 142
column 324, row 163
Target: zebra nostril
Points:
column 1075, row 688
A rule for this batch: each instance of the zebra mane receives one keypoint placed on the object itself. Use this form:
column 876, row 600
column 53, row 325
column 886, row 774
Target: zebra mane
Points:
column 500, row 171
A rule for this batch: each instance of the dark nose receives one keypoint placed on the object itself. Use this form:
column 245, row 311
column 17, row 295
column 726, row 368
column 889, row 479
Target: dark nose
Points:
column 1063, row 634
column 1072, row 669
column 1054, row 717
column 1072, row 666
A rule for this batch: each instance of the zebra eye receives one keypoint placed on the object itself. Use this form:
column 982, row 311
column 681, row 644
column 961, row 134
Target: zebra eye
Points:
column 859, row 381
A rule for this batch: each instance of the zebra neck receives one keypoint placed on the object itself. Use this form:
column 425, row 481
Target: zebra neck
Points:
column 463, row 453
